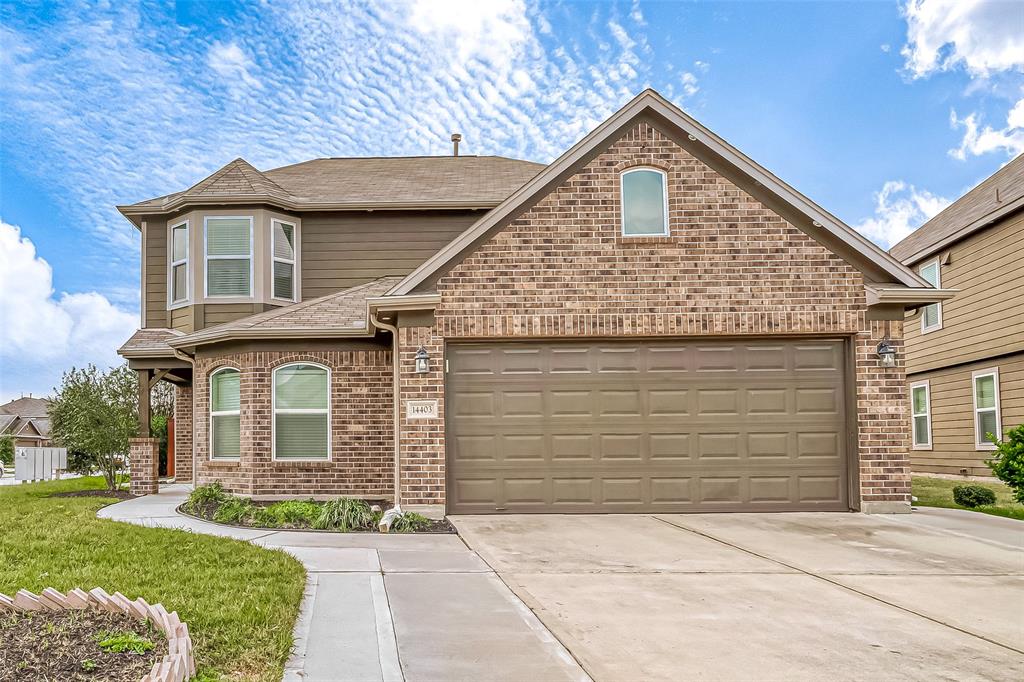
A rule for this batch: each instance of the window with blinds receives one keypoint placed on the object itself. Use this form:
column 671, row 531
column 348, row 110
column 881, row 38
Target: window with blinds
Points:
column 283, row 261
column 179, row 264
column 986, row 409
column 301, row 412
column 921, row 414
column 225, row 420
column 931, row 315
column 229, row 256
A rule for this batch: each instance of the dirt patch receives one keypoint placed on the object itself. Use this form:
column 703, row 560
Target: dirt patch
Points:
column 116, row 494
column 65, row 645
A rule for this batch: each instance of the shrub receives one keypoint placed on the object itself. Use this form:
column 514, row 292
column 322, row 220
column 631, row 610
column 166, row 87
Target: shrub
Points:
column 234, row 510
column 7, row 450
column 1008, row 463
column 410, row 522
column 82, row 462
column 204, row 497
column 294, row 512
column 973, row 495
column 344, row 514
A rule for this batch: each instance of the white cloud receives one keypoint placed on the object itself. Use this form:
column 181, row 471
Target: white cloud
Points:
column 494, row 30
column 900, row 208
column 41, row 334
column 233, row 65
column 689, row 84
column 979, row 140
column 984, row 36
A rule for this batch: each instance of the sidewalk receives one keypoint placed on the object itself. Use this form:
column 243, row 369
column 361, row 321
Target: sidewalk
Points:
column 383, row 608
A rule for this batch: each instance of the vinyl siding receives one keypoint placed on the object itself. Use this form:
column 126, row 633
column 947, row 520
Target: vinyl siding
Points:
column 156, row 273
column 181, row 319
column 986, row 318
column 952, row 406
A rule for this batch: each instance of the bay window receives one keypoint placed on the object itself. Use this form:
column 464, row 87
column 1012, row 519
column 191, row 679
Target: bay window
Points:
column 931, row 315
column 178, row 274
column 301, row 403
column 225, row 416
column 282, row 259
column 229, row 246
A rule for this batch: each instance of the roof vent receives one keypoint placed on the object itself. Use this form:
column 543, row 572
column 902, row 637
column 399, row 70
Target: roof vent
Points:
column 456, row 139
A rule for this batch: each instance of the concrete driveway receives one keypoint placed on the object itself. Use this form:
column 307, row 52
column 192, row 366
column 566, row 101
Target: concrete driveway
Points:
column 927, row 596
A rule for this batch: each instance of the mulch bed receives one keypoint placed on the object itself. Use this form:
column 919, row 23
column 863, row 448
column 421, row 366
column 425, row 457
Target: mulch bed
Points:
column 54, row 646
column 118, row 494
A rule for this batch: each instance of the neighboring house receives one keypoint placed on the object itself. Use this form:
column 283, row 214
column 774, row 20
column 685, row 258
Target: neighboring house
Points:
column 652, row 322
column 27, row 421
column 965, row 357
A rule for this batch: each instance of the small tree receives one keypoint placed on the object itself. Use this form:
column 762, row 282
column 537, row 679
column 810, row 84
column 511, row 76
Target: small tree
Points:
column 1008, row 463
column 7, row 450
column 95, row 413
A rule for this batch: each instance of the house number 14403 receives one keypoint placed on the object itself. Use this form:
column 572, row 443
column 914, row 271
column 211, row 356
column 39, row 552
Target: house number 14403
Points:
column 421, row 409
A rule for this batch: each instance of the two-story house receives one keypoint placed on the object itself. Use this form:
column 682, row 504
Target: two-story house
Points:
column 965, row 356
column 652, row 322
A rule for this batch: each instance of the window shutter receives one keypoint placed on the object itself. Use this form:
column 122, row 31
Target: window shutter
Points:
column 227, row 237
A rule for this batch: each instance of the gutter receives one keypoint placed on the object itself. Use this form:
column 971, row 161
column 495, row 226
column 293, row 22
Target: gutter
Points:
column 911, row 297
column 396, row 400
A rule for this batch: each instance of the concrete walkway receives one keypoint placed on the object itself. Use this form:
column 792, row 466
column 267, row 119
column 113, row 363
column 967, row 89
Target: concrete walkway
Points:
column 383, row 608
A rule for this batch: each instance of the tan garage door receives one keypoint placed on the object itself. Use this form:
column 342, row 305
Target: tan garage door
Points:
column 646, row 426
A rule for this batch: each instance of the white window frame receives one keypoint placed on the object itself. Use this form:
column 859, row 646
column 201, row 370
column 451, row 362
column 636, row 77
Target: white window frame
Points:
column 979, row 438
column 927, row 414
column 937, row 304
column 622, row 200
column 207, row 257
column 187, row 262
column 224, row 413
column 274, row 411
column 294, row 262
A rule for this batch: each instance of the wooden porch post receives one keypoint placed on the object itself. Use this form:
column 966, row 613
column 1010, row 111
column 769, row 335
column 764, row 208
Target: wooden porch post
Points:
column 145, row 383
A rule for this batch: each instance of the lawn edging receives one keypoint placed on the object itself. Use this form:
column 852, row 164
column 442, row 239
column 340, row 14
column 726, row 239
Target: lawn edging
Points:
column 177, row 666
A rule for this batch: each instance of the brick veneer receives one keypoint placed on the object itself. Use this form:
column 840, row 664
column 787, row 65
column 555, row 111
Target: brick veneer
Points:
column 143, row 460
column 729, row 267
column 182, row 434
column 361, row 427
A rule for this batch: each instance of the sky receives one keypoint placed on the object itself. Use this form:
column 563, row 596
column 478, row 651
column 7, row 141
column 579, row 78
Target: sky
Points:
column 882, row 112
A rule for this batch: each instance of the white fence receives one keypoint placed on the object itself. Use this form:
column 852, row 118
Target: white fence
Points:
column 39, row 464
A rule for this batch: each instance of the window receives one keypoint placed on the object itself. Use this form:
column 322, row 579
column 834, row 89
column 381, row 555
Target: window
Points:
column 986, row 408
column 283, row 261
column 921, row 414
column 644, row 202
column 229, row 257
column 178, row 284
column 302, row 423
column 225, row 422
column 931, row 315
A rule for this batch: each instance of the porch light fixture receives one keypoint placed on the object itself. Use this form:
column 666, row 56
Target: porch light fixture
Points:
column 886, row 354
column 422, row 361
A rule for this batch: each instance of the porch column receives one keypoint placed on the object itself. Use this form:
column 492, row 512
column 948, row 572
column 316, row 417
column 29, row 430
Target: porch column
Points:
column 145, row 382
column 144, row 451
column 183, row 434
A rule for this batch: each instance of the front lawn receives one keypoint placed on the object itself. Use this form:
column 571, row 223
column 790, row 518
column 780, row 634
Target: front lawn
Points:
column 240, row 601
column 938, row 492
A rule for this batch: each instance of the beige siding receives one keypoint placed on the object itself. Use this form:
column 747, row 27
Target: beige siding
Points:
column 229, row 312
column 156, row 273
column 986, row 318
column 181, row 319
column 341, row 250
column 952, row 406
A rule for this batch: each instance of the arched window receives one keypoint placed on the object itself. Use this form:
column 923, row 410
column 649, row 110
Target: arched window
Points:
column 302, row 412
column 225, row 424
column 644, row 202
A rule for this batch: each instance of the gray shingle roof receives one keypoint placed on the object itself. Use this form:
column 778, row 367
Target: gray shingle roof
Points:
column 967, row 214
column 26, row 407
column 150, row 341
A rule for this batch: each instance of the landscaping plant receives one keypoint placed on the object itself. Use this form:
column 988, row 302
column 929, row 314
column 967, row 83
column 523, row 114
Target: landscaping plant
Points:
column 1008, row 463
column 205, row 497
column 410, row 522
column 293, row 513
column 345, row 514
column 7, row 450
column 973, row 495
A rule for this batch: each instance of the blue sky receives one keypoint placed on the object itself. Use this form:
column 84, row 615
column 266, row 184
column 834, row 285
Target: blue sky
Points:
column 882, row 112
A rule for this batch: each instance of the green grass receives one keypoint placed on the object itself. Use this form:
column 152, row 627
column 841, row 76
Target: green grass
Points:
column 240, row 601
column 938, row 492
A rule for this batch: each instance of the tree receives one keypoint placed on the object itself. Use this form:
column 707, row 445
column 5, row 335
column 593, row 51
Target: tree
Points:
column 7, row 450
column 95, row 413
column 1008, row 462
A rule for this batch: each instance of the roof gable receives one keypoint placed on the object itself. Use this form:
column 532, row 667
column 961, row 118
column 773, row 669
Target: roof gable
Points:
column 798, row 210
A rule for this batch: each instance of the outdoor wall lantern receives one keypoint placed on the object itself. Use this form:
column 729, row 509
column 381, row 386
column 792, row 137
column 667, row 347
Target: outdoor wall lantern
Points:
column 886, row 354
column 422, row 361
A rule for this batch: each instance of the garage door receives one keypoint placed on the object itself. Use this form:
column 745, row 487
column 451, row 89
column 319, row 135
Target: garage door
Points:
column 646, row 427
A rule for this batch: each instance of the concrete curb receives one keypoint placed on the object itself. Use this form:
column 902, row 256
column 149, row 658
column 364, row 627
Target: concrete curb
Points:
column 177, row 666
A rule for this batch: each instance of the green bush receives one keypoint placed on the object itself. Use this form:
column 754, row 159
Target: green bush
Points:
column 206, row 496
column 235, row 510
column 410, row 522
column 293, row 513
column 345, row 514
column 82, row 462
column 1008, row 463
column 7, row 450
column 973, row 495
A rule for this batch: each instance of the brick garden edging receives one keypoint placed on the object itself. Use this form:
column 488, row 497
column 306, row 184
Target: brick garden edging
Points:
column 178, row 665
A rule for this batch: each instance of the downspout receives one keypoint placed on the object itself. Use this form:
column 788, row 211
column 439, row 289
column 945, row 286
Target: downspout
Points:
column 397, row 402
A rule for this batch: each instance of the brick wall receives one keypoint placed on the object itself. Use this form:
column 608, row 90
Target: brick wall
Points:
column 422, row 441
column 730, row 266
column 182, row 434
column 361, row 427
column 143, row 460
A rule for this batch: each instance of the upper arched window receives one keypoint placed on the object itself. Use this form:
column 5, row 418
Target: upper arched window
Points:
column 302, row 407
column 644, row 202
column 225, row 422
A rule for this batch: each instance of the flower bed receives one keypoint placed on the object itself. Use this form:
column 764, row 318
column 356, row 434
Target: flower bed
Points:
column 342, row 515
column 92, row 636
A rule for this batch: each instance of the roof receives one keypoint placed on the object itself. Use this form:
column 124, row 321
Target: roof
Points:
column 149, row 342
column 343, row 313
column 26, row 407
column 998, row 195
column 400, row 182
column 800, row 211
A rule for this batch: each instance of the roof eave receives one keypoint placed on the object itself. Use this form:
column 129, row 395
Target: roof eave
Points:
column 200, row 339
column 963, row 233
column 910, row 297
column 301, row 205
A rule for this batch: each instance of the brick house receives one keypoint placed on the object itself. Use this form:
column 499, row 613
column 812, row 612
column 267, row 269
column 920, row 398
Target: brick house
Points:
column 652, row 322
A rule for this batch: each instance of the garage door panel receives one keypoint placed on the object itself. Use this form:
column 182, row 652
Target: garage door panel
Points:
column 659, row 426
